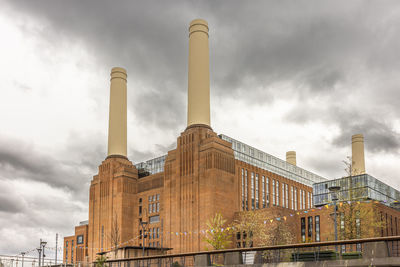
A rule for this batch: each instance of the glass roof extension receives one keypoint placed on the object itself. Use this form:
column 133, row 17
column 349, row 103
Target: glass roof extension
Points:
column 270, row 163
column 249, row 155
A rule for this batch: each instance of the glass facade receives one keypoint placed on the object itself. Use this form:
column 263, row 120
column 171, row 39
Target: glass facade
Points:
column 152, row 166
column 270, row 163
column 357, row 187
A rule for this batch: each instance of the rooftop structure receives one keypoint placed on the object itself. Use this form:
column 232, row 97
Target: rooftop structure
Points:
column 270, row 163
column 249, row 155
column 359, row 187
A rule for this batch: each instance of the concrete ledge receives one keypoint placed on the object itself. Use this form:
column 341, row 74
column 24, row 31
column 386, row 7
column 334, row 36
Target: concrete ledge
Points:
column 202, row 260
column 233, row 258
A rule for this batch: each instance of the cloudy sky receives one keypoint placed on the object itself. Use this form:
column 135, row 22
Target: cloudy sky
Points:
column 285, row 75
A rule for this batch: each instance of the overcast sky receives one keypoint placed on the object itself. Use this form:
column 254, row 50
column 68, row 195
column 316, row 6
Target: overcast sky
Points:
column 285, row 75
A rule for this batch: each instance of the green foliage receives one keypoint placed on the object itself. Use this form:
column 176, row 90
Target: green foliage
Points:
column 100, row 261
column 217, row 235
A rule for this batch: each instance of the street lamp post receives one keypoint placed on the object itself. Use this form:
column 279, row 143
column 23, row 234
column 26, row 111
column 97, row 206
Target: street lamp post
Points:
column 334, row 190
column 23, row 254
column 40, row 253
column 143, row 225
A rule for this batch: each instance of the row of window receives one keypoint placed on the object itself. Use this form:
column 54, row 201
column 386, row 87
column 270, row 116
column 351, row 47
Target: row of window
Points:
column 152, row 233
column 276, row 189
column 310, row 228
column 154, row 198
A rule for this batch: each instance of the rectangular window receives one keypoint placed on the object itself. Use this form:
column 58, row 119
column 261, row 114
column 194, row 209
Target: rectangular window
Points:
column 158, row 232
column 140, row 210
column 245, row 191
column 154, row 219
column 79, row 239
column 267, row 192
column 292, row 195
column 304, row 199
column 150, row 198
column 273, row 192
column 252, row 190
column 303, row 229
column 317, row 229
column 154, row 207
column 150, row 208
column 287, row 195
column 295, row 198
column 158, row 197
column 158, row 207
column 257, row 192
column 243, row 208
column 310, row 227
column 283, row 195
column 263, row 191
column 277, row 193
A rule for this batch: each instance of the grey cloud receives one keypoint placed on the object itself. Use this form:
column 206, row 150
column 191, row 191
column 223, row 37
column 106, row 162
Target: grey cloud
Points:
column 19, row 160
column 378, row 135
column 307, row 42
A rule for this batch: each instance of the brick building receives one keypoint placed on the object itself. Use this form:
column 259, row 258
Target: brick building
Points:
column 165, row 202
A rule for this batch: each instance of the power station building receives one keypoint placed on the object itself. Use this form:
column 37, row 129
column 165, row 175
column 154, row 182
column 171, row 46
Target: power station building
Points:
column 165, row 202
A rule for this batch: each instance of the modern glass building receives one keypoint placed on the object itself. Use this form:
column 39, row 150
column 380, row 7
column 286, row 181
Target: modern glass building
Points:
column 359, row 187
column 270, row 163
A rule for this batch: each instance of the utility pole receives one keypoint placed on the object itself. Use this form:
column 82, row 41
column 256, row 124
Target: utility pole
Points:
column 56, row 248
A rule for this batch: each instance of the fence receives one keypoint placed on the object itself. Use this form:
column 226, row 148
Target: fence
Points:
column 317, row 251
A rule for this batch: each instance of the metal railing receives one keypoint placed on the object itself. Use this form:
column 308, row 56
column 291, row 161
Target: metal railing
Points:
column 317, row 251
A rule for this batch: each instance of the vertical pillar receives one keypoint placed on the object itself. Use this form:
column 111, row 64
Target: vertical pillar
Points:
column 199, row 74
column 117, row 128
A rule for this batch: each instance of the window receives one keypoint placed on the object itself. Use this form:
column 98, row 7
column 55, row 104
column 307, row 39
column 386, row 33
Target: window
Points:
column 154, row 207
column 154, row 198
column 267, row 192
column 140, row 200
column 295, row 198
column 277, row 193
column 263, row 191
column 243, row 208
column 150, row 207
column 154, row 219
column 283, row 196
column 310, row 227
column 304, row 199
column 140, row 210
column 158, row 207
column 292, row 194
column 287, row 195
column 245, row 190
column 158, row 232
column 317, row 229
column 158, row 197
column 257, row 201
column 238, row 235
column 303, row 229
column 79, row 239
column 273, row 192
column 252, row 190
column 150, row 198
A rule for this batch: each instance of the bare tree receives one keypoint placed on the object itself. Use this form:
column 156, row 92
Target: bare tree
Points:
column 115, row 235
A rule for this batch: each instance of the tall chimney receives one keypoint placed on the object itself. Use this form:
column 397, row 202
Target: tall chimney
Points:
column 199, row 74
column 291, row 157
column 357, row 149
column 117, row 118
